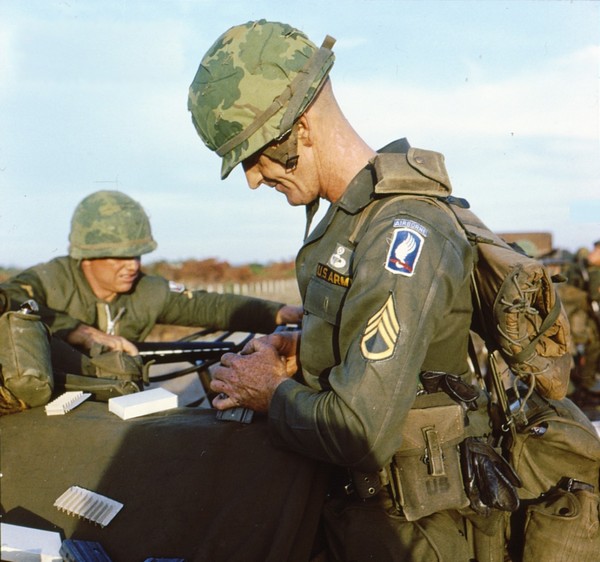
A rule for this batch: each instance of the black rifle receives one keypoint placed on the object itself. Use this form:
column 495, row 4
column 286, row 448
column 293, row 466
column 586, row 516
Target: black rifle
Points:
column 192, row 351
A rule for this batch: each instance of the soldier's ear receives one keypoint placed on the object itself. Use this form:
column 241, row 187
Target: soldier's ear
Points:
column 305, row 131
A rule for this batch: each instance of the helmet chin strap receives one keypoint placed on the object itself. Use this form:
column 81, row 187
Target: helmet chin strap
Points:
column 285, row 151
column 311, row 211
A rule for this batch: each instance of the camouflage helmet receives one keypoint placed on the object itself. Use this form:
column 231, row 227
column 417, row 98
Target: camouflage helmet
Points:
column 252, row 85
column 109, row 224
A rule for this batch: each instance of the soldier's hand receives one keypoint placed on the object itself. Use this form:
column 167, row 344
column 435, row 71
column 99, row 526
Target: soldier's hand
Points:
column 287, row 345
column 248, row 380
column 289, row 315
column 86, row 336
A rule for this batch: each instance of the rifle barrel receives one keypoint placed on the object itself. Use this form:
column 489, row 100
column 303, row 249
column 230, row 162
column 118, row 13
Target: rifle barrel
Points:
column 168, row 352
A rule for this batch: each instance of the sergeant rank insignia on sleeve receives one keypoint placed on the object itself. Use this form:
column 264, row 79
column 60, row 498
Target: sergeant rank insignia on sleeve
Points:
column 381, row 333
column 405, row 249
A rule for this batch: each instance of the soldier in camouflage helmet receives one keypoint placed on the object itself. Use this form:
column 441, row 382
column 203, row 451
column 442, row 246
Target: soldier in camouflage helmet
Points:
column 98, row 295
column 236, row 125
column 385, row 283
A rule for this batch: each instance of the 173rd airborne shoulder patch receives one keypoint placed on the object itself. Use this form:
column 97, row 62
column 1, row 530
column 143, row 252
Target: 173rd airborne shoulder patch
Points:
column 405, row 249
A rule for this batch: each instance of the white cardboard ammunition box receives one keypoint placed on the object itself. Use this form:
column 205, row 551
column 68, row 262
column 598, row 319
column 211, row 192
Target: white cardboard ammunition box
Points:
column 142, row 403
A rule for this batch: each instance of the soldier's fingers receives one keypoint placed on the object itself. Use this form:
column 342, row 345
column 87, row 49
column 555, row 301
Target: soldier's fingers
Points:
column 224, row 402
column 227, row 359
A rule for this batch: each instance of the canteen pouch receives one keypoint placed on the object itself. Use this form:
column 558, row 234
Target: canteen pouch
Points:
column 25, row 357
column 563, row 525
column 425, row 473
column 556, row 444
column 557, row 441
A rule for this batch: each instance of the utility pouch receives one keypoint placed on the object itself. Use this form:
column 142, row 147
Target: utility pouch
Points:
column 425, row 474
column 563, row 525
column 101, row 389
column 117, row 365
column 105, row 374
column 25, row 356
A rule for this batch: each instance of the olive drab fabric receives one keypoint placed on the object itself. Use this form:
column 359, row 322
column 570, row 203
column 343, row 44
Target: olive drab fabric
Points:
column 25, row 366
column 110, row 224
column 398, row 272
column 232, row 110
column 402, row 314
column 194, row 488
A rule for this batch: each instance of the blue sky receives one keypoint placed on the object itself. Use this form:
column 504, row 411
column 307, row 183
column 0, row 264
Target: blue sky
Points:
column 93, row 96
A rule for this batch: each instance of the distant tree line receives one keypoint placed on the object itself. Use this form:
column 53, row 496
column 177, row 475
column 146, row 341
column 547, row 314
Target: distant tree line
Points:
column 210, row 270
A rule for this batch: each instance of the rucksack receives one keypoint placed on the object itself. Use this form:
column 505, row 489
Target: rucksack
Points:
column 517, row 310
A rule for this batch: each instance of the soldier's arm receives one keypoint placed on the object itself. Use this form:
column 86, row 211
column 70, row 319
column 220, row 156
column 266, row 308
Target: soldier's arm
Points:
column 226, row 312
column 86, row 336
column 27, row 285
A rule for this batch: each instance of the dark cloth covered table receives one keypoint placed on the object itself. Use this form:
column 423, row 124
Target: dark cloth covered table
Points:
column 192, row 486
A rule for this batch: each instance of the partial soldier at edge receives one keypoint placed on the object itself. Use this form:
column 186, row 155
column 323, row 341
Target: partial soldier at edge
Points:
column 98, row 299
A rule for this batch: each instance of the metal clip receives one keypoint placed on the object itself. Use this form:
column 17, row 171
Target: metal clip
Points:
column 29, row 307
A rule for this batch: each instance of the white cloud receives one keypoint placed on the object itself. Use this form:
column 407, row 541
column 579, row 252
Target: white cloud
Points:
column 558, row 99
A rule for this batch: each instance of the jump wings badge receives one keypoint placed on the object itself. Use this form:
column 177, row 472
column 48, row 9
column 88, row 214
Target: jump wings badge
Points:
column 381, row 333
column 404, row 251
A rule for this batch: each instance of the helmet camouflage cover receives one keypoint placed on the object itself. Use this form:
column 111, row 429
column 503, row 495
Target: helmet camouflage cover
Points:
column 109, row 224
column 251, row 86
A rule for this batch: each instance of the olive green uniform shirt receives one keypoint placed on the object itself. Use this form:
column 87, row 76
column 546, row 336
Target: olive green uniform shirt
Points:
column 66, row 300
column 373, row 322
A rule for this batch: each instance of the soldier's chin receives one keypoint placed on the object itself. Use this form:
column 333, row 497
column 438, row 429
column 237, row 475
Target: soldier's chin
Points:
column 125, row 287
column 293, row 202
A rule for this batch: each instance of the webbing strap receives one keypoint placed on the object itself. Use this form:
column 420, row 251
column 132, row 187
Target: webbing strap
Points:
column 524, row 354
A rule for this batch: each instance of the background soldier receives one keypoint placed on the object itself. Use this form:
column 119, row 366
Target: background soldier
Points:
column 579, row 296
column 98, row 295
column 384, row 282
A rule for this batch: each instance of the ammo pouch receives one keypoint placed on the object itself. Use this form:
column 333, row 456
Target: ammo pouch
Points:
column 104, row 374
column 425, row 474
column 101, row 389
column 117, row 365
column 25, row 357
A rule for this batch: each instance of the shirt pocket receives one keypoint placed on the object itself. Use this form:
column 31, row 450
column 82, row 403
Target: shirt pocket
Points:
column 324, row 300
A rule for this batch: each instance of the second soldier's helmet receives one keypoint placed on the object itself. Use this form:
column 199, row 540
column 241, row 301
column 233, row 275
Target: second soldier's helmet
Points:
column 252, row 85
column 110, row 224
